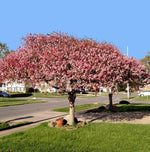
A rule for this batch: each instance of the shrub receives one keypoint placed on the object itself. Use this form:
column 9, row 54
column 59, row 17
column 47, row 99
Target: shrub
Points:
column 124, row 102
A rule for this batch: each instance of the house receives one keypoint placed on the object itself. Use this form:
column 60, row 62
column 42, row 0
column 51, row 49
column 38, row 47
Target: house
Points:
column 146, row 88
column 19, row 86
column 13, row 87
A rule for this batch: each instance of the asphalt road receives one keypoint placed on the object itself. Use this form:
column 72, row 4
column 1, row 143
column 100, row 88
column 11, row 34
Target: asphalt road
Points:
column 9, row 112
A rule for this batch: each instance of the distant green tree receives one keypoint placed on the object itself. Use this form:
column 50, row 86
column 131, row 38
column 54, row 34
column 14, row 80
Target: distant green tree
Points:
column 146, row 61
column 4, row 50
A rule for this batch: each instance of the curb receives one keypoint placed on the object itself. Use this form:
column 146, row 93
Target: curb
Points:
column 37, row 121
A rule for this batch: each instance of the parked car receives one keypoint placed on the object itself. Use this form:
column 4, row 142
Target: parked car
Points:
column 81, row 90
column 144, row 93
column 4, row 94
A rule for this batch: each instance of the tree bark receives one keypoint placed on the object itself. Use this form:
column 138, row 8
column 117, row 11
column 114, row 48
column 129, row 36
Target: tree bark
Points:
column 110, row 101
column 46, row 89
column 96, row 93
column 128, row 91
column 72, row 114
column 71, row 98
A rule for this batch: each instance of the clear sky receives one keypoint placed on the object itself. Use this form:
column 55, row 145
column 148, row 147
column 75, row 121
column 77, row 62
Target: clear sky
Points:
column 120, row 22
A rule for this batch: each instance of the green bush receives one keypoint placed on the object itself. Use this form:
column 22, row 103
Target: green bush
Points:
column 21, row 95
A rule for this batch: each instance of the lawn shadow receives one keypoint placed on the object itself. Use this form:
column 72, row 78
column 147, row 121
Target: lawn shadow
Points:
column 123, row 112
column 21, row 95
column 132, row 107
column 36, row 121
column 50, row 118
column 20, row 118
column 26, row 122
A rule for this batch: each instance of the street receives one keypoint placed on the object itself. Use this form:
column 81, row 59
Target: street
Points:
column 11, row 112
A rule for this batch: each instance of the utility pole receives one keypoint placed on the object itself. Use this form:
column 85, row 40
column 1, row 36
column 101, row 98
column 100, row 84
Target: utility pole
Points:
column 128, row 89
column 127, row 50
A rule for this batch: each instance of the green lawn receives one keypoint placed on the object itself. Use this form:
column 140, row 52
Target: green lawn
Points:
column 14, row 101
column 138, row 98
column 144, row 98
column 124, row 108
column 50, row 95
column 78, row 107
column 132, row 107
column 94, row 137
column 8, row 125
column 57, row 95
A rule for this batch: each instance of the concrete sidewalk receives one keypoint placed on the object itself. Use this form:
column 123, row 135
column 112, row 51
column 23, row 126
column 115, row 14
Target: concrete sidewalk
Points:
column 36, row 118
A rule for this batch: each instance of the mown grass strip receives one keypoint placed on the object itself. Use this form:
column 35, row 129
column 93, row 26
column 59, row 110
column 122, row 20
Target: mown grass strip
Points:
column 13, row 101
column 57, row 95
column 123, row 108
column 49, row 95
column 144, row 98
column 6, row 125
column 2, row 99
column 78, row 107
column 132, row 107
column 138, row 98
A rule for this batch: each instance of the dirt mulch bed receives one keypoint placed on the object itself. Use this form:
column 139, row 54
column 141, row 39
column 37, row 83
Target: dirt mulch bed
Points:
column 124, row 117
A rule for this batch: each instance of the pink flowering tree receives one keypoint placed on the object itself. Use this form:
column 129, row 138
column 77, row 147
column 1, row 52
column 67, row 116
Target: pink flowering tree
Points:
column 65, row 60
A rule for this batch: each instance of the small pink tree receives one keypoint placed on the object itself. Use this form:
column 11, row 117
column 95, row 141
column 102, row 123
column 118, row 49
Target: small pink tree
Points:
column 62, row 59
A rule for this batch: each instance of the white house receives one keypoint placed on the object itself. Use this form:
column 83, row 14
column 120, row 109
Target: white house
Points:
column 19, row 86
column 13, row 87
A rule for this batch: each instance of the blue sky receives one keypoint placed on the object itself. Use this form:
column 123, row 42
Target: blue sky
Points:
column 120, row 22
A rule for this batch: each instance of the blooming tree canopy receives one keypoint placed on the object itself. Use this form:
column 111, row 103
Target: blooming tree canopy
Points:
column 61, row 58
column 58, row 56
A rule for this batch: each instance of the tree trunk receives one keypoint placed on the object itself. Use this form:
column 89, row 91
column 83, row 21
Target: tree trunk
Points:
column 71, row 98
column 96, row 93
column 46, row 89
column 128, row 91
column 110, row 101
column 72, row 114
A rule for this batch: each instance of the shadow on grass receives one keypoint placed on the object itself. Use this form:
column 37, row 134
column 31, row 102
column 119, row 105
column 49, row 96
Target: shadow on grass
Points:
column 123, row 112
column 132, row 97
column 5, row 125
column 132, row 107
column 20, row 118
column 21, row 95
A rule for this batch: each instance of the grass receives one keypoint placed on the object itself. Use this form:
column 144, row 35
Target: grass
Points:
column 2, row 99
column 138, row 98
column 86, row 96
column 124, row 108
column 78, row 107
column 8, row 125
column 132, row 107
column 144, row 98
column 49, row 95
column 14, row 101
column 131, row 97
column 94, row 137
column 57, row 95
